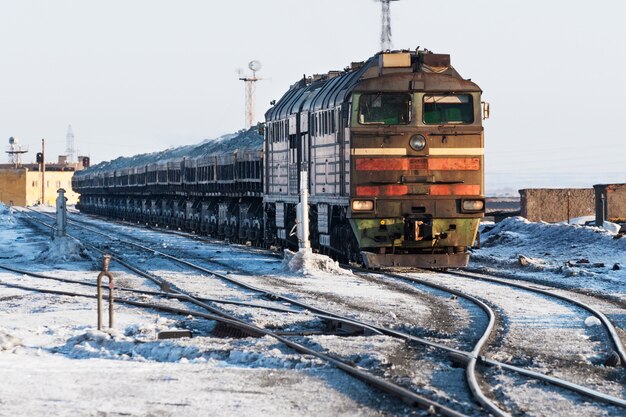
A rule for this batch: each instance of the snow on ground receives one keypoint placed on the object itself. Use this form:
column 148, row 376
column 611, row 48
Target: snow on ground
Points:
column 50, row 349
column 326, row 285
column 55, row 385
column 571, row 255
column 551, row 336
column 8, row 342
column 575, row 256
column 53, row 360
column 307, row 263
column 62, row 249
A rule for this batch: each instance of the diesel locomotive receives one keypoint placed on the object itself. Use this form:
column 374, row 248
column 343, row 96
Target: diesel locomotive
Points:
column 393, row 148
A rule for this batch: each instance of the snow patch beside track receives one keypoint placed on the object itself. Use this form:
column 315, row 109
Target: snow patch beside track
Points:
column 62, row 249
column 8, row 342
column 308, row 263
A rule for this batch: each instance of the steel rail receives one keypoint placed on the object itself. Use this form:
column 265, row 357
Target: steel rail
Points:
column 276, row 296
column 482, row 360
column 271, row 295
column 559, row 286
column 402, row 393
column 465, row 356
column 184, row 296
column 617, row 343
column 212, row 273
column 472, row 359
column 179, row 233
column 471, row 364
column 596, row 395
column 154, row 293
column 164, row 284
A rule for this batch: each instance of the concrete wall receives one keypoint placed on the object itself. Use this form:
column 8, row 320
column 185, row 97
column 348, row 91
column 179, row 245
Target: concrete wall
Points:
column 555, row 204
column 22, row 187
column 12, row 186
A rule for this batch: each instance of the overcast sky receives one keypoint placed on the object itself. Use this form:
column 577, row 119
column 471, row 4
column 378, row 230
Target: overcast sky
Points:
column 136, row 76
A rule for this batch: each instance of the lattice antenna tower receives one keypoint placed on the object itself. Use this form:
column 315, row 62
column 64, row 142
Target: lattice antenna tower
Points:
column 15, row 152
column 250, row 81
column 385, row 30
column 70, row 149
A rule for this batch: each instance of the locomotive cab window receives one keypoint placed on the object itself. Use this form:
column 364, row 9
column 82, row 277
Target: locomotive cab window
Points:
column 385, row 109
column 448, row 109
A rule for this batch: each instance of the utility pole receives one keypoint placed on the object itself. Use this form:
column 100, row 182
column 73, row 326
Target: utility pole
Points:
column 250, row 89
column 43, row 171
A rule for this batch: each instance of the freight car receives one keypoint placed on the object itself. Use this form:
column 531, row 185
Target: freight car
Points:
column 212, row 188
column 394, row 151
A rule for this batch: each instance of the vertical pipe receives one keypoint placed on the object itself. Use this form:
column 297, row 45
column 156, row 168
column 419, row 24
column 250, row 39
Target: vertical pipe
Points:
column 105, row 272
column 568, row 211
column 111, row 299
column 61, row 214
column 99, row 290
column 303, row 229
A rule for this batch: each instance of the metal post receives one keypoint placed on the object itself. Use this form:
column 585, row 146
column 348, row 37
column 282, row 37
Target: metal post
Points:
column 604, row 210
column 61, row 222
column 43, row 171
column 106, row 260
column 303, row 213
column 568, row 211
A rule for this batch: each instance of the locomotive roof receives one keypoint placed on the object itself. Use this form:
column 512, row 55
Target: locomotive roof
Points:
column 333, row 89
column 243, row 140
column 314, row 94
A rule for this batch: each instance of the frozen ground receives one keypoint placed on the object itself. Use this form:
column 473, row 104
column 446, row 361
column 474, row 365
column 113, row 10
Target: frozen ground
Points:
column 58, row 364
column 569, row 255
column 54, row 362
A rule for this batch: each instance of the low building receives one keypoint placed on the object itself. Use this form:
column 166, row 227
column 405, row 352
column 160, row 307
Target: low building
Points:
column 22, row 186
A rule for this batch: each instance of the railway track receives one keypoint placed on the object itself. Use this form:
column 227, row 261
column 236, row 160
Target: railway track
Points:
column 606, row 323
column 471, row 358
column 535, row 279
column 489, row 363
column 367, row 377
column 560, row 367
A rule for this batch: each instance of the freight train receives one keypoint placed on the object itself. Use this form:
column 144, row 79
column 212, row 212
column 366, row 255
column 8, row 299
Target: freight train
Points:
column 393, row 148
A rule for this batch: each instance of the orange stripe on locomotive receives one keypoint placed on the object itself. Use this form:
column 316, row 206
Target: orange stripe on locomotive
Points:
column 411, row 164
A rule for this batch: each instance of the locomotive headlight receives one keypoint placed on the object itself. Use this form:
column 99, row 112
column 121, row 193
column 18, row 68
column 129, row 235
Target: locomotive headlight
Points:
column 473, row 205
column 362, row 205
column 417, row 142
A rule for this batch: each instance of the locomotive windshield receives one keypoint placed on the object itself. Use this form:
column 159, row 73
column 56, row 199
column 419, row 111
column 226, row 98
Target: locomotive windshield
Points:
column 452, row 109
column 385, row 109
